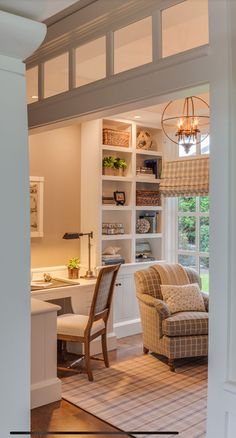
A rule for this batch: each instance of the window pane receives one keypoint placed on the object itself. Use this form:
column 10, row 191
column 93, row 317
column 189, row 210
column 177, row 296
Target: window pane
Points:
column 133, row 45
column 187, row 204
column 204, row 204
column 184, row 26
column 91, row 62
column 204, row 273
column 187, row 260
column 183, row 153
column 32, row 84
column 205, row 144
column 204, row 234
column 56, row 77
column 187, row 233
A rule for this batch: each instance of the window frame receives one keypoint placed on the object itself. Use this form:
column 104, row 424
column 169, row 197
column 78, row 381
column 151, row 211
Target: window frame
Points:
column 198, row 215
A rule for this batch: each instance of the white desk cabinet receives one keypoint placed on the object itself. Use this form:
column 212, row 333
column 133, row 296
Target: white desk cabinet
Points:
column 45, row 386
column 125, row 305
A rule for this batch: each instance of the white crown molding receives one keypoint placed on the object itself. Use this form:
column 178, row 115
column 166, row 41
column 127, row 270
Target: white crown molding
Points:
column 19, row 36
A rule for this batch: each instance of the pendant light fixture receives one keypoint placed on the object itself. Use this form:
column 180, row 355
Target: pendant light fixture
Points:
column 186, row 126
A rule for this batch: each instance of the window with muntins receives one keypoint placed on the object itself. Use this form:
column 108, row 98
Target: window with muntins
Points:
column 192, row 226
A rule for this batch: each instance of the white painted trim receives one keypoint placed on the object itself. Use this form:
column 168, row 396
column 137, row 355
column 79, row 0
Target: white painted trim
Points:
column 14, row 35
column 109, row 54
column 230, row 387
column 127, row 328
column 134, row 86
column 43, row 393
column 11, row 64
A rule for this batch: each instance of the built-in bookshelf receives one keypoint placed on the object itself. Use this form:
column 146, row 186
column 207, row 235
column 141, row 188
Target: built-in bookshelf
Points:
column 100, row 187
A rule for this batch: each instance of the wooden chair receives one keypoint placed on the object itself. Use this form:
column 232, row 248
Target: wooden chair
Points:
column 83, row 329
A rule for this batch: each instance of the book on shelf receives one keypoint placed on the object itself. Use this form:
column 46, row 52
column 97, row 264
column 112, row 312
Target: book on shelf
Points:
column 112, row 259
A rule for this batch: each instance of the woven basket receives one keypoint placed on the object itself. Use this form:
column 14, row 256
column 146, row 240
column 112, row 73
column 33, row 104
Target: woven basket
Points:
column 148, row 198
column 116, row 138
column 113, row 172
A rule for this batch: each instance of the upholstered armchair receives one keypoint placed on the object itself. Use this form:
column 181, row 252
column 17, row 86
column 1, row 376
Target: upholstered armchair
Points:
column 176, row 335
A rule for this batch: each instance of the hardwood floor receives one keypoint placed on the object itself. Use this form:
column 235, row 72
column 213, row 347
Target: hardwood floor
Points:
column 63, row 416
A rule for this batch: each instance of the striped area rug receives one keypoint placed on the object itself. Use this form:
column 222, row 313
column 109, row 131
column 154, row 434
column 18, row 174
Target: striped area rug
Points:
column 143, row 395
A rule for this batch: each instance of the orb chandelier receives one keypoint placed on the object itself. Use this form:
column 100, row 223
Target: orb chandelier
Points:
column 186, row 125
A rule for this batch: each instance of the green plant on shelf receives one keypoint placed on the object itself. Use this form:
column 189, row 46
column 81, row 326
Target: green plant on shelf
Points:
column 109, row 162
column 74, row 263
column 120, row 163
column 114, row 163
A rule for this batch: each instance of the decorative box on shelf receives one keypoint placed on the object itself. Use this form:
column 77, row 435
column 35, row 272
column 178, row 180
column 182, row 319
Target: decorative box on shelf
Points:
column 116, row 138
column 112, row 228
column 148, row 197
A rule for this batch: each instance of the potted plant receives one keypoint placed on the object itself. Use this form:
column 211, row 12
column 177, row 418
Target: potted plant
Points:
column 73, row 268
column 120, row 165
column 108, row 165
column 113, row 166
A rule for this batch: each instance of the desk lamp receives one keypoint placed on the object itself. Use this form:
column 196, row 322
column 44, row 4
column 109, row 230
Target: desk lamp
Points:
column 71, row 236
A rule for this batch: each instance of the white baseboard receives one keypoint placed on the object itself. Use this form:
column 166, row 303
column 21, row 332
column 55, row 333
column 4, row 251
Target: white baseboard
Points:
column 127, row 328
column 95, row 346
column 45, row 392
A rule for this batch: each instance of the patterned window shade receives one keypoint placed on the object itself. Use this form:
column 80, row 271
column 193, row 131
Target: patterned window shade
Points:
column 185, row 177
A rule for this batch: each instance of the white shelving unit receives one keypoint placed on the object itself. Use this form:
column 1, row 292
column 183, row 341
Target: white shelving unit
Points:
column 98, row 185
column 94, row 213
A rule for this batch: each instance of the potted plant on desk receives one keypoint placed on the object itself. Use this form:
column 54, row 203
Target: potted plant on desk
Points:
column 73, row 268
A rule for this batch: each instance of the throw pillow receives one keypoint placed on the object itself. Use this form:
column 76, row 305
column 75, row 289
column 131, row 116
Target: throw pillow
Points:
column 183, row 298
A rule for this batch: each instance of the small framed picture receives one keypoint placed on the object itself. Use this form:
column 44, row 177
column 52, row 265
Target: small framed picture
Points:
column 119, row 198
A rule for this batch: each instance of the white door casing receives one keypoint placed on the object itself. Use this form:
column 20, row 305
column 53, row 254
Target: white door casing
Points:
column 15, row 45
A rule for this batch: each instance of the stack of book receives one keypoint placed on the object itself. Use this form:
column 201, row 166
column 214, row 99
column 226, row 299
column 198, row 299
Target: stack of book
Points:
column 112, row 259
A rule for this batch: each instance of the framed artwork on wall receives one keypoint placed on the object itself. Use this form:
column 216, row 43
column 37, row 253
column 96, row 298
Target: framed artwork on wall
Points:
column 36, row 206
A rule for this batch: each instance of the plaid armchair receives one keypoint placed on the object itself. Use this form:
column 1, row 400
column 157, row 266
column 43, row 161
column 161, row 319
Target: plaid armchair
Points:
column 179, row 335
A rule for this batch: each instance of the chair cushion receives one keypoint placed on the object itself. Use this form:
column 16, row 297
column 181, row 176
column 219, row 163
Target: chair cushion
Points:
column 184, row 298
column 75, row 325
column 186, row 323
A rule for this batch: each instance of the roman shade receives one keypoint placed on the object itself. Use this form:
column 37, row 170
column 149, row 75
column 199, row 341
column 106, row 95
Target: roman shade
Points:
column 185, row 177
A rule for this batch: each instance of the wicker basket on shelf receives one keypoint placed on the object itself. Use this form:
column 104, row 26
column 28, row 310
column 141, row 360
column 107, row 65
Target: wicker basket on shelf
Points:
column 148, row 198
column 114, row 137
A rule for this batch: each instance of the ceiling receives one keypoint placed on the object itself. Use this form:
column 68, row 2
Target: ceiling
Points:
column 151, row 116
column 38, row 10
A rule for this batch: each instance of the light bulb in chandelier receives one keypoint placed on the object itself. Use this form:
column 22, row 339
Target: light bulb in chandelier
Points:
column 187, row 133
